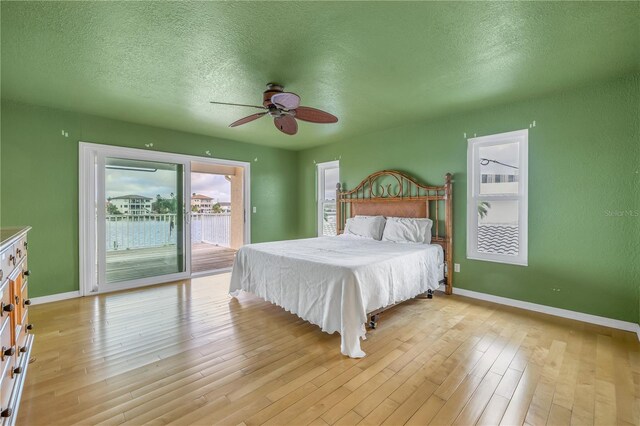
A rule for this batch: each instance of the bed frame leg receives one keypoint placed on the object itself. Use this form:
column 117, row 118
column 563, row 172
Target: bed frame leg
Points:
column 373, row 323
column 429, row 294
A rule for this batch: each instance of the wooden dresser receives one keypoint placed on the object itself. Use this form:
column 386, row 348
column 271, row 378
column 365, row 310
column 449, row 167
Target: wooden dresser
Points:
column 15, row 330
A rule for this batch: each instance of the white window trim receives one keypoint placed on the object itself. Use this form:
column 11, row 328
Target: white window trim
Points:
column 522, row 137
column 320, row 189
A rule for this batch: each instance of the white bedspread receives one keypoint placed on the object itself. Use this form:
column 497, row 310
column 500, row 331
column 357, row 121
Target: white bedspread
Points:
column 334, row 282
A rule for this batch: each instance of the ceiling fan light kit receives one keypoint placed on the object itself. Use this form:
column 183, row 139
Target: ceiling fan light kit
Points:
column 285, row 108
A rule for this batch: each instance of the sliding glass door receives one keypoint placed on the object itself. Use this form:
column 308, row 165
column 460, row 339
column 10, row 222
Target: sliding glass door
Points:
column 140, row 219
column 140, row 212
column 143, row 227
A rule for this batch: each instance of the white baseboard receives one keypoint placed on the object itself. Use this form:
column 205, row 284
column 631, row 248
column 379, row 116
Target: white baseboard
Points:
column 54, row 297
column 564, row 313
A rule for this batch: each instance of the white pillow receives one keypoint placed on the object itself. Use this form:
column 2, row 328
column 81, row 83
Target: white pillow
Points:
column 407, row 230
column 365, row 226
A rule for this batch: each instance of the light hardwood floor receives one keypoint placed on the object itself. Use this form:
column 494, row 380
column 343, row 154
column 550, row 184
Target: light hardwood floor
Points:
column 188, row 354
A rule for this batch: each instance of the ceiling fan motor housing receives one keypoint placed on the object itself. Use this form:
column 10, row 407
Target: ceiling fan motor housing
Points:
column 274, row 111
column 272, row 89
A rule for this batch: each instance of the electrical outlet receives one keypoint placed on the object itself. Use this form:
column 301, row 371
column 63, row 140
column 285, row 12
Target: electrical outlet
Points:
column 456, row 267
column 254, row 209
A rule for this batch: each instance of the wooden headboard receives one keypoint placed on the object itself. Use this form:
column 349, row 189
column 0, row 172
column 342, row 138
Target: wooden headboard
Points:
column 394, row 194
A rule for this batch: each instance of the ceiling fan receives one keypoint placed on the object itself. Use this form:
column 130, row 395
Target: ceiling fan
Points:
column 285, row 108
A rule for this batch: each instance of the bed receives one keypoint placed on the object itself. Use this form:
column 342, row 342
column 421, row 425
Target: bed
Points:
column 341, row 283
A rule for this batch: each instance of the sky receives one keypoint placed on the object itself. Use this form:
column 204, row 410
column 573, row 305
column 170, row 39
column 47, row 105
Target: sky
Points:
column 216, row 186
column 505, row 153
column 163, row 182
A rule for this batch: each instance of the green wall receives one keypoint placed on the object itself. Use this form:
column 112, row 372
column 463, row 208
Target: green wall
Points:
column 39, row 181
column 584, row 157
column 583, row 162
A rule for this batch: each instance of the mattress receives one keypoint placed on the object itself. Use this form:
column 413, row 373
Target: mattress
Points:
column 333, row 282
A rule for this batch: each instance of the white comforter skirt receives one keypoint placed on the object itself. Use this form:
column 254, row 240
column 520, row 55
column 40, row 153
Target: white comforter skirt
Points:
column 334, row 282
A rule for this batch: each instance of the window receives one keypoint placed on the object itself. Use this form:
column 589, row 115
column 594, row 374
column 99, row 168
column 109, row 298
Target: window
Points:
column 497, row 198
column 328, row 177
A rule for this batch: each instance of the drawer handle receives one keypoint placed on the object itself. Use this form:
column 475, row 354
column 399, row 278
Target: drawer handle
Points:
column 22, row 349
column 29, row 327
column 27, row 272
column 1, row 274
column 27, row 302
column 7, row 412
column 19, row 253
column 7, row 308
column 26, row 245
column 8, row 352
column 17, row 300
column 12, row 259
column 17, row 370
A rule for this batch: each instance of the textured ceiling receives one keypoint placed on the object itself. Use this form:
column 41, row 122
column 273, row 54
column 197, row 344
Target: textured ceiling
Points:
column 373, row 64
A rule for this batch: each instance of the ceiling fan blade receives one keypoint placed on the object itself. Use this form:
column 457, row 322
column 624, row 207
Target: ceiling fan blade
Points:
column 314, row 115
column 245, row 120
column 286, row 124
column 242, row 105
column 286, row 100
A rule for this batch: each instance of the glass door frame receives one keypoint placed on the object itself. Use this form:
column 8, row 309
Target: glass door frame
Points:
column 91, row 189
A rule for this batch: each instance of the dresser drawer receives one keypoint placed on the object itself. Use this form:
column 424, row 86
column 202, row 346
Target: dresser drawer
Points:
column 6, row 304
column 23, row 332
column 7, row 383
column 24, row 299
column 7, row 349
column 15, row 285
column 8, row 261
column 25, row 271
column 20, row 248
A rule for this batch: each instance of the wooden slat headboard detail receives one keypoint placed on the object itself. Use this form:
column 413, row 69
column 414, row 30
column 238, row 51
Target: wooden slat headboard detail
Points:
column 392, row 193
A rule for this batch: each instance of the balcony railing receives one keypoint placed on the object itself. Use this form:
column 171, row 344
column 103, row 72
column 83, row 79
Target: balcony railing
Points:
column 127, row 231
column 211, row 228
